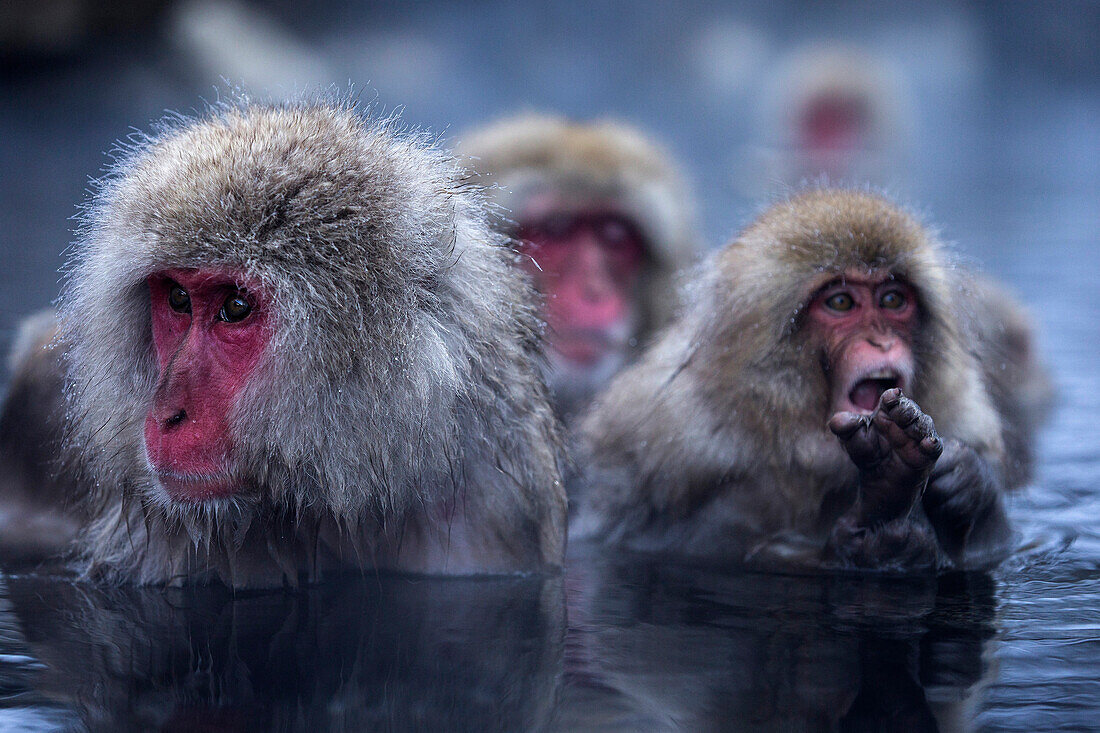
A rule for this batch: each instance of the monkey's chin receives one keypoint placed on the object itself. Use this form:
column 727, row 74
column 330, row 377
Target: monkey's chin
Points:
column 582, row 349
column 573, row 384
column 196, row 489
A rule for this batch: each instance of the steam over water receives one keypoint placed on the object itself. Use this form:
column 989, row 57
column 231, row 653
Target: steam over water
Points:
column 998, row 140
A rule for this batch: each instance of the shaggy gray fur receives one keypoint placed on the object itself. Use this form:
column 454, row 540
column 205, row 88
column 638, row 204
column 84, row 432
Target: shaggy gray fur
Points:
column 398, row 402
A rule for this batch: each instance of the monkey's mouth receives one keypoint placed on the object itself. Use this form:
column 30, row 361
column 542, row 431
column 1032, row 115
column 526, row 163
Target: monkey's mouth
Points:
column 195, row 488
column 868, row 388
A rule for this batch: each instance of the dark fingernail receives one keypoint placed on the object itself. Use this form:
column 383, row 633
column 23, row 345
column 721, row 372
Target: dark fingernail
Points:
column 844, row 424
column 891, row 397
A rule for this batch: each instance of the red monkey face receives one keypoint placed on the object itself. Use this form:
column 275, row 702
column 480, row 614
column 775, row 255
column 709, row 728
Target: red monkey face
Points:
column 209, row 332
column 587, row 266
column 866, row 325
column 834, row 122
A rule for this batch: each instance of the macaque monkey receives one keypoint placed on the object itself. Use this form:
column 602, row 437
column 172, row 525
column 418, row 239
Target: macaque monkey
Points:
column 834, row 112
column 818, row 402
column 602, row 222
column 293, row 345
column 39, row 513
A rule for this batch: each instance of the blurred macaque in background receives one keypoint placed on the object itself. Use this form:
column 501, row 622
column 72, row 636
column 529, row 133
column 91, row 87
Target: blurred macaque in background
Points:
column 381, row 653
column 832, row 112
column 52, row 28
column 40, row 512
column 603, row 221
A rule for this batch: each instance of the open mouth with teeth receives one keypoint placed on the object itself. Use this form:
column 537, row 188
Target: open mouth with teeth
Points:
column 865, row 391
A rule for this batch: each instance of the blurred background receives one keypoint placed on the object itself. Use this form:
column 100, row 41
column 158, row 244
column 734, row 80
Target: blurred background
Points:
column 984, row 115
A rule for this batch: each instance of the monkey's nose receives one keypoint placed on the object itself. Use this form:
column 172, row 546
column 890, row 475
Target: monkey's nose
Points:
column 881, row 341
column 176, row 418
column 597, row 287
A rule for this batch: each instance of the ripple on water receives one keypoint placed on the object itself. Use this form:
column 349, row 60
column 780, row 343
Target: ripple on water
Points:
column 1047, row 651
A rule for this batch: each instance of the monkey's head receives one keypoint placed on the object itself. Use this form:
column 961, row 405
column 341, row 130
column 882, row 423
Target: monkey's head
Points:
column 272, row 303
column 602, row 220
column 837, row 111
column 837, row 296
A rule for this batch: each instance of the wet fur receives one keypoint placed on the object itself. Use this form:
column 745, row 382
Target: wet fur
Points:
column 1018, row 381
column 399, row 400
column 40, row 511
column 715, row 444
column 583, row 162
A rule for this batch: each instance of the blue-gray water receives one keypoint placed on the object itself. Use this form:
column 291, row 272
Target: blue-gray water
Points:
column 1000, row 145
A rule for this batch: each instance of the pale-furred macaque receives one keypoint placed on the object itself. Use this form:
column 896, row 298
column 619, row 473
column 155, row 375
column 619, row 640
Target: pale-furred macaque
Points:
column 819, row 402
column 602, row 222
column 292, row 344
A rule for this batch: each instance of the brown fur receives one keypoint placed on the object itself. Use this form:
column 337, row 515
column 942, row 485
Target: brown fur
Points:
column 1018, row 381
column 715, row 443
column 586, row 162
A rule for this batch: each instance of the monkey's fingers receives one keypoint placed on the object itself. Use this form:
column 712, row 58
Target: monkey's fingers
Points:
column 949, row 460
column 894, row 474
column 845, row 424
column 911, row 433
column 860, row 438
column 963, row 484
column 890, row 398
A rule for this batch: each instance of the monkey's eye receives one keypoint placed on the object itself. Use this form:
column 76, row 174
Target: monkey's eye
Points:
column 892, row 300
column 179, row 300
column 235, row 308
column 840, row 302
column 613, row 231
column 557, row 227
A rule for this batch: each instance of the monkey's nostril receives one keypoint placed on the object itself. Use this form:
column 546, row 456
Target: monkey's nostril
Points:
column 881, row 342
column 176, row 419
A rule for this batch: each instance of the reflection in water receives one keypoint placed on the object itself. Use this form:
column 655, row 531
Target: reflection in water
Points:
column 384, row 653
column 660, row 647
column 650, row 646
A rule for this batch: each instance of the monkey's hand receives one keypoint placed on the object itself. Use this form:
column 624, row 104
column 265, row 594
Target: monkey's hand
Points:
column 895, row 450
column 964, row 502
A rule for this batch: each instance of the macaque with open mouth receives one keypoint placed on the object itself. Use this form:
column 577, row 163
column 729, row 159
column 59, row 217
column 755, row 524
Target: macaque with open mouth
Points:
column 819, row 402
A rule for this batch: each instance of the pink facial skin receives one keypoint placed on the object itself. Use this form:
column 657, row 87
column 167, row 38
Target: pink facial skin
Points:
column 210, row 329
column 866, row 324
column 587, row 266
column 834, row 123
